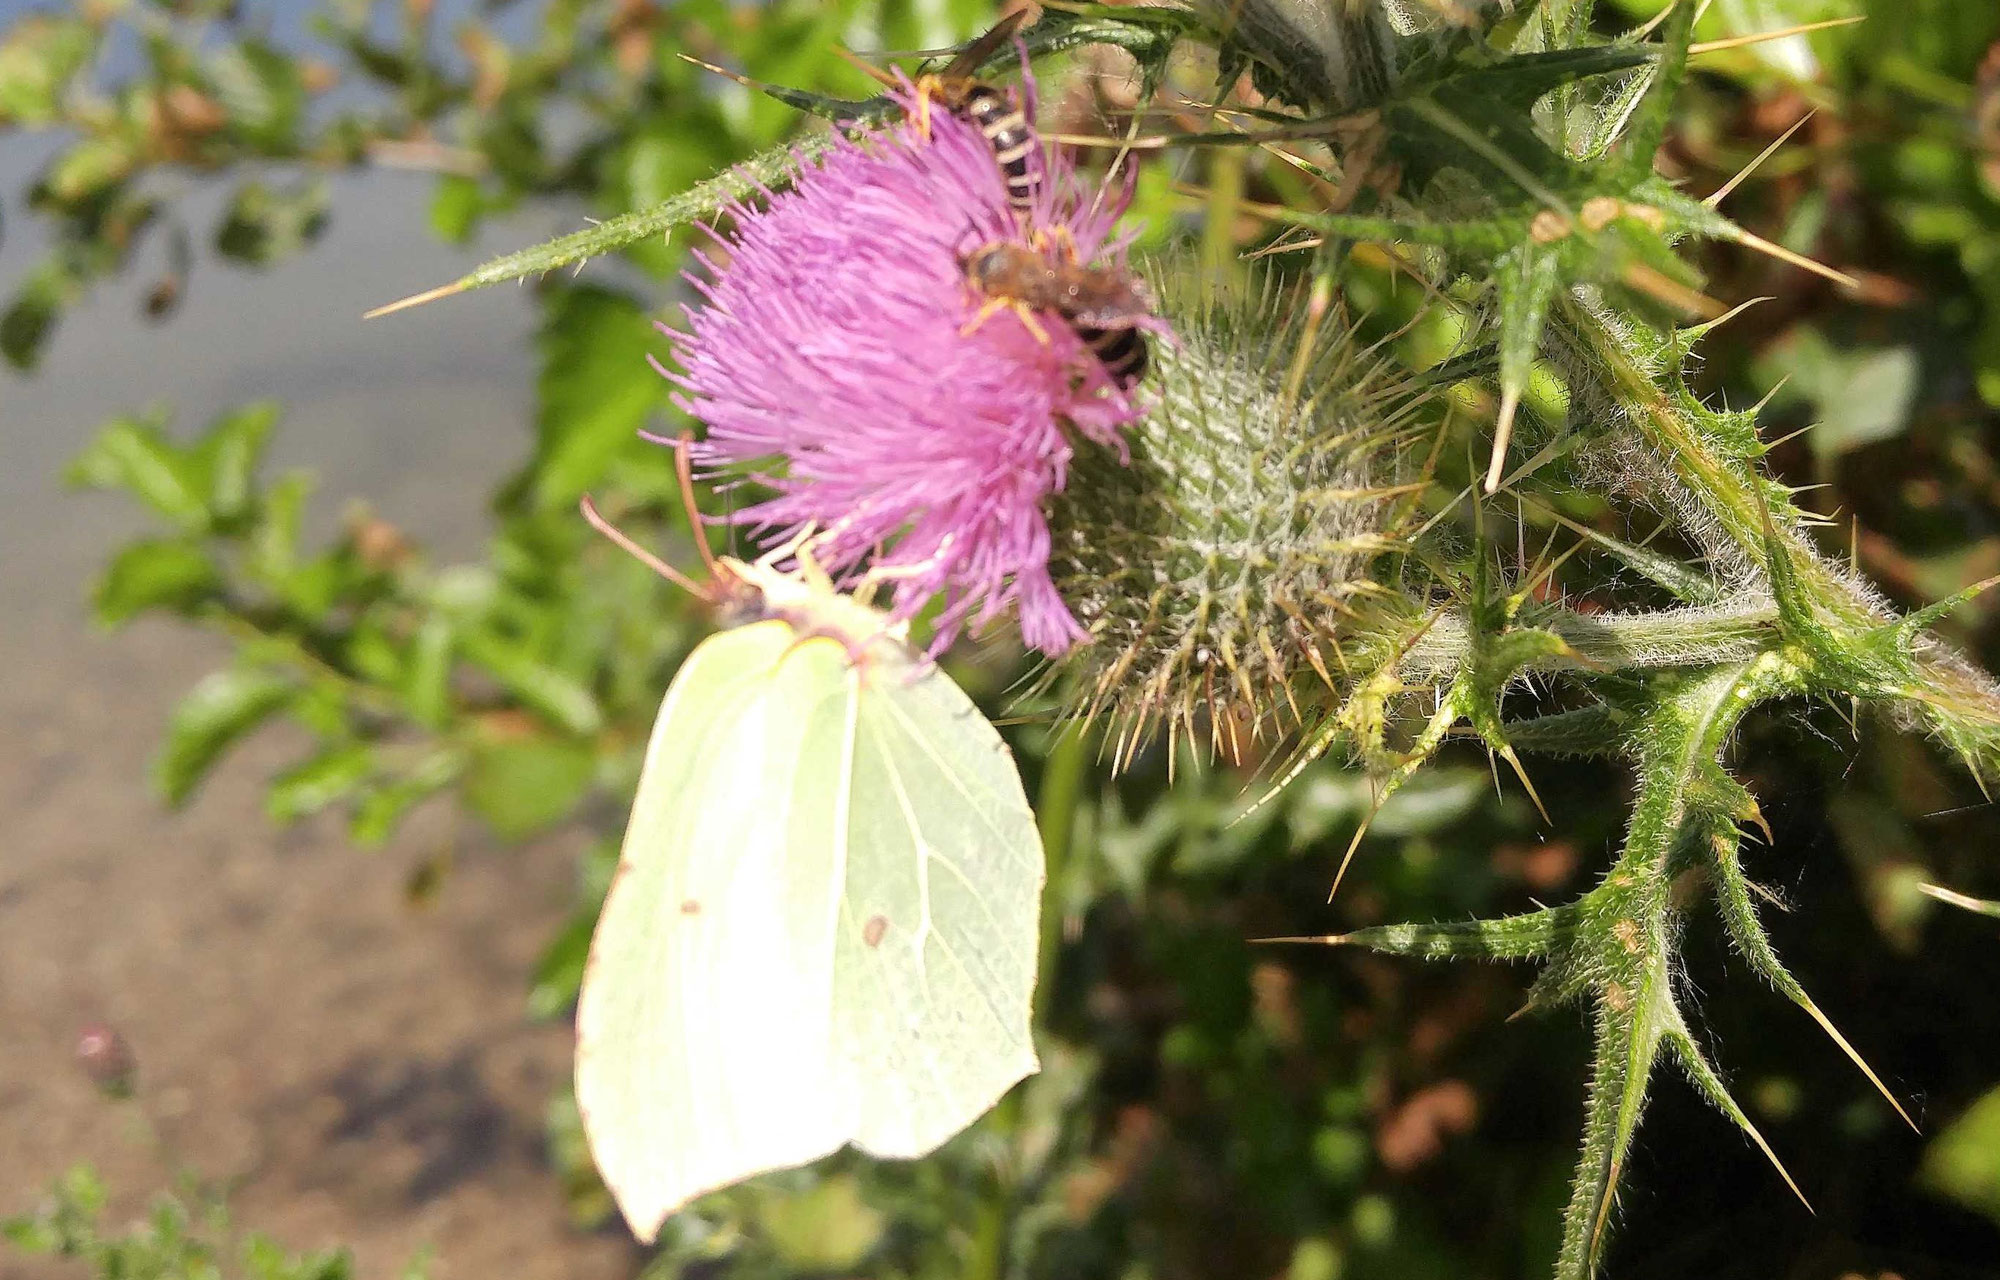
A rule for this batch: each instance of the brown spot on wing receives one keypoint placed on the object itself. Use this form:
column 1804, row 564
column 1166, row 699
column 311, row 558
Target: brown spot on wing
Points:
column 871, row 933
column 690, row 907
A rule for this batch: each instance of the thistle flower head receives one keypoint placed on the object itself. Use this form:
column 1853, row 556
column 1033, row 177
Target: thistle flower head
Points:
column 1223, row 569
column 840, row 359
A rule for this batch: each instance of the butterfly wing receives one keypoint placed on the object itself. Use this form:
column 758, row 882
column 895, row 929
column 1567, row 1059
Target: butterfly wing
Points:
column 939, row 927
column 704, row 1046
column 823, row 926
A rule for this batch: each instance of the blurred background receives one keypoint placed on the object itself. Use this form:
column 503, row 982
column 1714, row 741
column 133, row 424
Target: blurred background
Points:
column 321, row 707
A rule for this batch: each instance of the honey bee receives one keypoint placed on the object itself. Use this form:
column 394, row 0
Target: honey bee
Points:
column 1103, row 304
column 1002, row 122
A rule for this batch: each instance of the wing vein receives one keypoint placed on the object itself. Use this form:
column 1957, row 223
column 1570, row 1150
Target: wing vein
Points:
column 950, row 775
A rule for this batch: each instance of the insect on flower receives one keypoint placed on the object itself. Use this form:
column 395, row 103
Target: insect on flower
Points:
column 1000, row 119
column 1104, row 304
column 834, row 366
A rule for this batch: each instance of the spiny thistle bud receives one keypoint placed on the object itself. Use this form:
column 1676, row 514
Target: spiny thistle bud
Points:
column 1222, row 570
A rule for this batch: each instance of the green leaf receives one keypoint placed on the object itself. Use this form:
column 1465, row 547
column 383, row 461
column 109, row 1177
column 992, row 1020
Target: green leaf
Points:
column 427, row 673
column 274, row 546
column 1687, row 584
column 133, row 455
column 524, row 785
column 260, row 89
column 39, row 57
column 559, row 972
column 596, row 391
column 31, row 317
column 827, row 1229
column 1527, row 276
column 216, row 713
column 456, row 204
column 1861, row 397
column 1963, row 1162
column 1650, row 114
column 264, row 224
column 378, row 813
column 90, row 168
column 230, row 451
column 154, row 575
column 1534, row 935
column 330, row 776
column 553, row 693
column 1521, row 79
column 29, row 1235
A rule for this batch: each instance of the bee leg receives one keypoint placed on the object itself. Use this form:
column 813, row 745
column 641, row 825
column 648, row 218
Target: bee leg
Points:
column 927, row 88
column 990, row 308
column 1028, row 321
column 994, row 306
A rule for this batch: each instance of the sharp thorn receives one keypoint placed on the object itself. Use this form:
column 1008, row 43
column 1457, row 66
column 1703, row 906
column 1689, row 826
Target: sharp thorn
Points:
column 1348, row 857
column 1826, row 1025
column 1604, row 1213
column 726, row 73
column 1751, row 240
column 1503, row 433
column 1963, row 901
column 1507, row 754
column 1777, row 1164
column 1760, row 37
column 1762, row 156
column 416, row 300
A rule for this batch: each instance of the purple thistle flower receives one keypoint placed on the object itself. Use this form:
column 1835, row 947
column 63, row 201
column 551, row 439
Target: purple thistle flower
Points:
column 835, row 343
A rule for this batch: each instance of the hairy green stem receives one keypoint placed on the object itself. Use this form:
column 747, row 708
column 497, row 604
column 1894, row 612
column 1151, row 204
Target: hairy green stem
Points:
column 1628, row 935
column 1692, row 637
column 1832, row 615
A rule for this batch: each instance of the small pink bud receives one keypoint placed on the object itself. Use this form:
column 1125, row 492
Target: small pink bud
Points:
column 107, row 1059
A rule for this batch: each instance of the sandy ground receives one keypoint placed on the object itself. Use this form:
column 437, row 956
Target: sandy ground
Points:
column 361, row 1071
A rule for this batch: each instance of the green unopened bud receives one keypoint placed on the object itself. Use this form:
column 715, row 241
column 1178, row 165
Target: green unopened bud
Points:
column 1220, row 570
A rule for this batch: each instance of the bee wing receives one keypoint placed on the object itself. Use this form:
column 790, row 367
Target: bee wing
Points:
column 974, row 55
column 1116, row 301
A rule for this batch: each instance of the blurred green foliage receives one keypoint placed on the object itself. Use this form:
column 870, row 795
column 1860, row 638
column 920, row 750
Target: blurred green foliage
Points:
column 173, row 1242
column 1209, row 1107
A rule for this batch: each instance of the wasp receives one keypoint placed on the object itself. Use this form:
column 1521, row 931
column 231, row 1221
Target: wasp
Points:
column 1002, row 122
column 1104, row 305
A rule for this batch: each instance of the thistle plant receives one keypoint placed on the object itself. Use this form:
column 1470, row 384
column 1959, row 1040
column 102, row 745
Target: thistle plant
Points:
column 1310, row 532
column 1242, row 547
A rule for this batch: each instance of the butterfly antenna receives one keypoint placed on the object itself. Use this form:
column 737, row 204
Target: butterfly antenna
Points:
column 684, row 469
column 637, row 552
